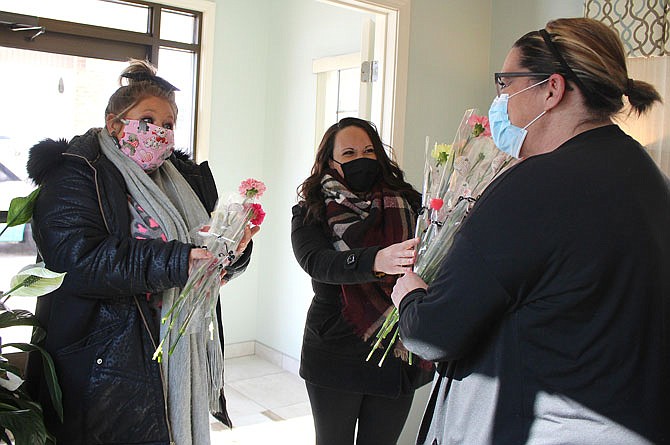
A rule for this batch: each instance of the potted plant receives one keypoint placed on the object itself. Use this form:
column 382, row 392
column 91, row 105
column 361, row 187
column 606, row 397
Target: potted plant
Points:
column 21, row 418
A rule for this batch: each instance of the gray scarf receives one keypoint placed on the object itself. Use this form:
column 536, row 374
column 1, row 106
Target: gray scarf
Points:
column 194, row 372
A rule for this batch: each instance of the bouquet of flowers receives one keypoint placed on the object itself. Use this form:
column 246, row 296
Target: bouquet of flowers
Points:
column 454, row 177
column 221, row 236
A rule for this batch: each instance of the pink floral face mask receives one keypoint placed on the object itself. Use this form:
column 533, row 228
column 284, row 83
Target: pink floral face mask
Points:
column 147, row 144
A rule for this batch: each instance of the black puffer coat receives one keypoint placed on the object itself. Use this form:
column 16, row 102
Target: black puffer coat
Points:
column 101, row 332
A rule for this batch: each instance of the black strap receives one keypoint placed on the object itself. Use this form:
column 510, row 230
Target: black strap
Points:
column 554, row 50
column 143, row 76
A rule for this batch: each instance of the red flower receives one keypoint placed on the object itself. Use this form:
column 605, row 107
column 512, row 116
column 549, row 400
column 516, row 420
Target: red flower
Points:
column 258, row 214
column 436, row 203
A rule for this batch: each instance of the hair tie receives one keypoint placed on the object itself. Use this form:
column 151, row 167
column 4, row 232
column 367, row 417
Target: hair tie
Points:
column 629, row 87
column 144, row 76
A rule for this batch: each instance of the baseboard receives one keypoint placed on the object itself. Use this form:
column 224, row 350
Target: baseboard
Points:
column 234, row 350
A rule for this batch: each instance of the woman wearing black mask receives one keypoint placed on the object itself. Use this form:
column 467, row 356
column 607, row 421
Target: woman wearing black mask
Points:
column 352, row 232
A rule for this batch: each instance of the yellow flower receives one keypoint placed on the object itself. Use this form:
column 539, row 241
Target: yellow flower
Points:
column 441, row 153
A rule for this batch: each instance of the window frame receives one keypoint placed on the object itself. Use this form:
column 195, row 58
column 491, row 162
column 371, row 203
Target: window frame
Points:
column 78, row 39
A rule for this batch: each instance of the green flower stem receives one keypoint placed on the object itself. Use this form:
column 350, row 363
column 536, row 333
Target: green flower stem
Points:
column 203, row 279
column 390, row 345
column 388, row 325
column 198, row 299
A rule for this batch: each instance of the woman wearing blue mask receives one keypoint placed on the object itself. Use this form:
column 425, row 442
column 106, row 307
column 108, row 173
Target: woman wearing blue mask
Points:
column 352, row 233
column 549, row 317
column 115, row 211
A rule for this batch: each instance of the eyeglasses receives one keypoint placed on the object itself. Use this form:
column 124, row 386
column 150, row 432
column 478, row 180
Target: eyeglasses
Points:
column 500, row 84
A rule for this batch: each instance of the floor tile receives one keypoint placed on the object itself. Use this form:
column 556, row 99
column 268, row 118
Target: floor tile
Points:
column 267, row 405
column 292, row 411
column 273, row 391
column 240, row 405
column 297, row 431
column 248, row 367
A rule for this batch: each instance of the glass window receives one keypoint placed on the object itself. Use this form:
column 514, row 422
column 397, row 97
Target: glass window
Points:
column 178, row 68
column 178, row 26
column 107, row 13
column 348, row 92
column 176, row 53
column 60, row 96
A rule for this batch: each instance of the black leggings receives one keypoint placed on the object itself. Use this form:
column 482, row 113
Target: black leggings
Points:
column 380, row 419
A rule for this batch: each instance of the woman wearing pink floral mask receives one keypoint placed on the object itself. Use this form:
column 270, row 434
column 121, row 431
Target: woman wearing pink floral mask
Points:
column 116, row 210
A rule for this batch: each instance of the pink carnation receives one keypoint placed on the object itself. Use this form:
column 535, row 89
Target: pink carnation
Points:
column 480, row 125
column 252, row 188
column 258, row 214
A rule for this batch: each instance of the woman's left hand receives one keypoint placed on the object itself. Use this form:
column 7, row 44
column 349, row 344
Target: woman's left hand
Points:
column 406, row 284
column 248, row 233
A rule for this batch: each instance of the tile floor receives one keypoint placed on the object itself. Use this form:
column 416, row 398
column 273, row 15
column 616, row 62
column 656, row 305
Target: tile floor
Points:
column 266, row 403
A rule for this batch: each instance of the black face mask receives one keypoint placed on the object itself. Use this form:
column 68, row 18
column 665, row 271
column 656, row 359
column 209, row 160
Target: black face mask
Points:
column 361, row 174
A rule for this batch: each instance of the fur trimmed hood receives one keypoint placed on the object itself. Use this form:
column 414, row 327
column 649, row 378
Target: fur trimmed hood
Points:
column 47, row 156
column 44, row 157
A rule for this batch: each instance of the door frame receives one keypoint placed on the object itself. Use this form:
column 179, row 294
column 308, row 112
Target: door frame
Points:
column 395, row 33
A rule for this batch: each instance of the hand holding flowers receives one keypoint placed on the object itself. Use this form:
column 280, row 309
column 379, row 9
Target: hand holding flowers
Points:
column 225, row 237
column 397, row 258
column 454, row 177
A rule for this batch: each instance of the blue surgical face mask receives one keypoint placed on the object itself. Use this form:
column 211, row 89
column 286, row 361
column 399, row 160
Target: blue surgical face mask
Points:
column 507, row 137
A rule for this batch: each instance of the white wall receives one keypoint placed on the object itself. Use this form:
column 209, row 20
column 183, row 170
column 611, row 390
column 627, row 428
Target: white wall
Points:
column 263, row 114
column 238, row 136
column 448, row 73
column 302, row 30
column 514, row 18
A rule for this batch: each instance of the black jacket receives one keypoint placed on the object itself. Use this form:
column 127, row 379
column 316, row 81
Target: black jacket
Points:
column 333, row 356
column 551, row 311
column 101, row 333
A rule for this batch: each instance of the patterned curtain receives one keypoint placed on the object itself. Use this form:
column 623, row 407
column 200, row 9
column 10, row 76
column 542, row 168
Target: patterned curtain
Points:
column 641, row 24
column 643, row 28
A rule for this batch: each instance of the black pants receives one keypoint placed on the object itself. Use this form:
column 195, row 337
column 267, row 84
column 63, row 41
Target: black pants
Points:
column 336, row 414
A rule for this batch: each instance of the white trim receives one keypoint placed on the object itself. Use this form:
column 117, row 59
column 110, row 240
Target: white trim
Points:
column 365, row 90
column 326, row 69
column 205, row 80
column 397, row 29
column 333, row 63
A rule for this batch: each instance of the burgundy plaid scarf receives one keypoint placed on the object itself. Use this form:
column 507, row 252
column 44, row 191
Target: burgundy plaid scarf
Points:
column 384, row 218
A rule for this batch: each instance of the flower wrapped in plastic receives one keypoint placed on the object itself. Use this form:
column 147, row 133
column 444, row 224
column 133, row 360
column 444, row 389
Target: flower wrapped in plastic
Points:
column 454, row 177
column 221, row 236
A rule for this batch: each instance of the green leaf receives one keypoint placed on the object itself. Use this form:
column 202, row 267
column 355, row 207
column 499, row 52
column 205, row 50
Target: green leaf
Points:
column 49, row 374
column 21, row 210
column 17, row 317
column 34, row 281
column 26, row 425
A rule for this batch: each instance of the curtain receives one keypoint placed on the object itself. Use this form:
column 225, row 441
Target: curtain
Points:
column 641, row 24
column 643, row 28
column 652, row 129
